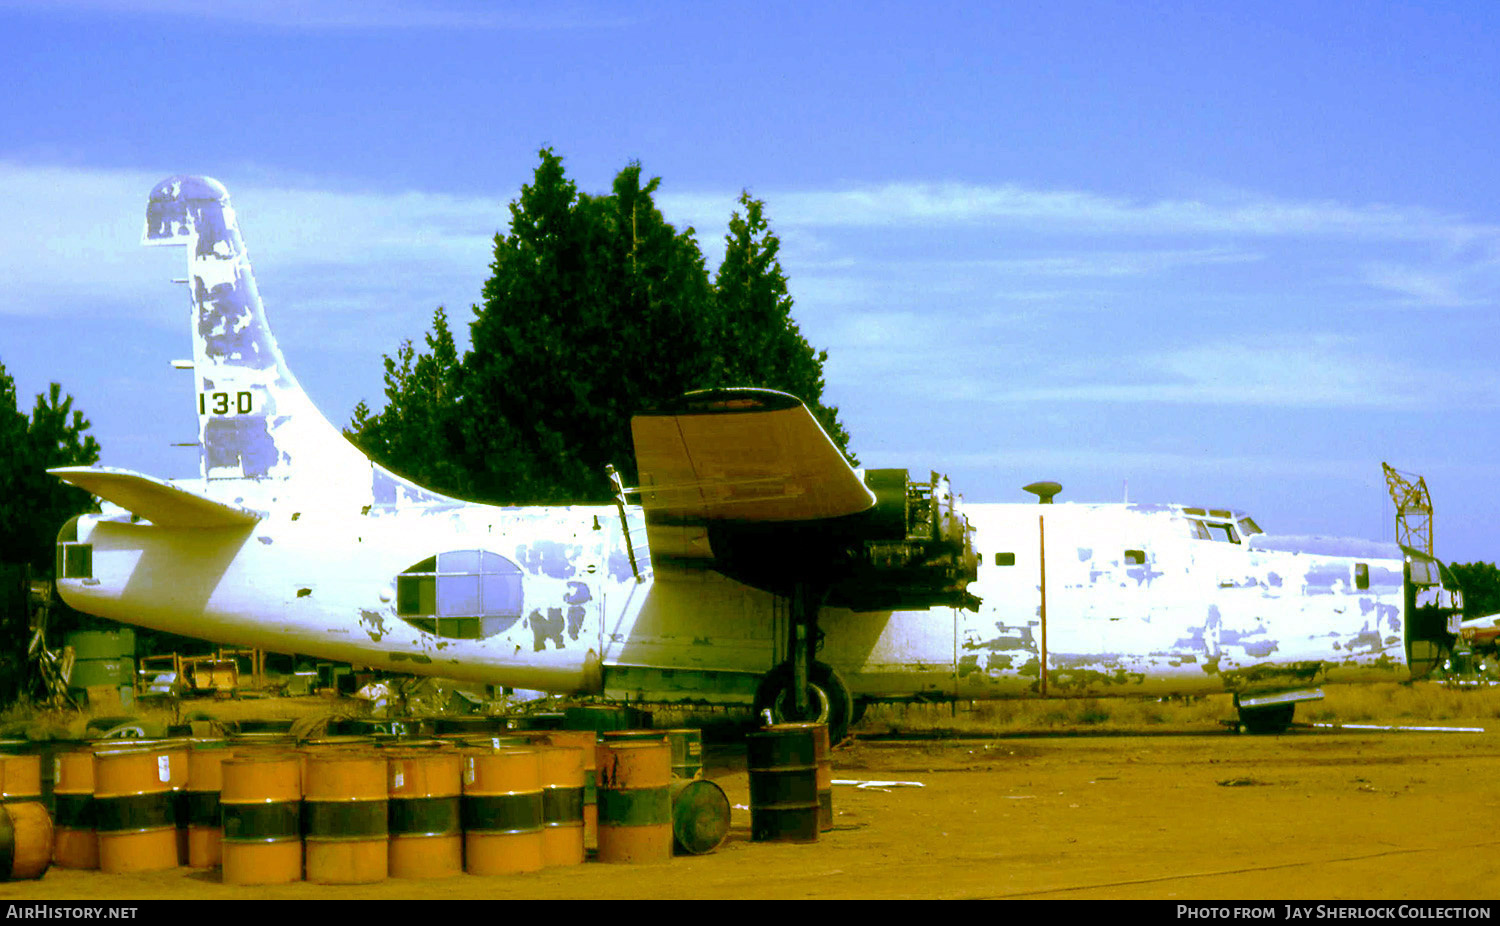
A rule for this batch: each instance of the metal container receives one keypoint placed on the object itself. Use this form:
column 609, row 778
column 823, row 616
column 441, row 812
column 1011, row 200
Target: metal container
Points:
column 783, row 786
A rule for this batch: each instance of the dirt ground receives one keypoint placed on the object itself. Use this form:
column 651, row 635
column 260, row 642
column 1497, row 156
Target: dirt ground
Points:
column 1312, row 814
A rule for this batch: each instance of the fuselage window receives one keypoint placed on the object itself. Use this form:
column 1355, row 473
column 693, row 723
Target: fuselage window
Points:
column 1005, row 559
column 462, row 594
column 1361, row 576
column 1135, row 557
column 75, row 561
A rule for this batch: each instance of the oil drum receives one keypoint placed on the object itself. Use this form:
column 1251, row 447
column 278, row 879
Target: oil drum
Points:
column 205, row 779
column 562, row 805
column 260, row 803
column 25, row 840
column 502, row 811
column 783, row 767
column 345, row 825
column 635, row 802
column 75, row 841
column 588, row 741
column 824, row 755
column 426, row 830
column 700, row 816
column 20, row 777
column 133, row 810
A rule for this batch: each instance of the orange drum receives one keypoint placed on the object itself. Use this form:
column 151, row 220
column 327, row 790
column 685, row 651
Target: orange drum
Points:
column 133, row 810
column 635, row 802
column 502, row 811
column 260, row 802
column 20, row 778
column 75, row 842
column 562, row 805
column 205, row 778
column 344, row 817
column 25, row 840
column 426, row 831
column 588, row 741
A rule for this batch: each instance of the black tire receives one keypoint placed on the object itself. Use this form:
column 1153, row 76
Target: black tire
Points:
column 828, row 696
column 1267, row 720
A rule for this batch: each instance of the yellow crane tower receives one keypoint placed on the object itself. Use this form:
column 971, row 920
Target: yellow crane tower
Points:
column 1413, row 509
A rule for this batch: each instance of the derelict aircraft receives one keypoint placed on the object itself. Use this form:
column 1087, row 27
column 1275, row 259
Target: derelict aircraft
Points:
column 758, row 568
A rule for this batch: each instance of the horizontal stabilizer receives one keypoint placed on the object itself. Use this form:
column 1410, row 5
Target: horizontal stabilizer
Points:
column 742, row 455
column 159, row 502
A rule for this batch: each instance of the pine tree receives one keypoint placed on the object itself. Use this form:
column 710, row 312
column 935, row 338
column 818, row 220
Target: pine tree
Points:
column 761, row 344
column 34, row 505
column 596, row 308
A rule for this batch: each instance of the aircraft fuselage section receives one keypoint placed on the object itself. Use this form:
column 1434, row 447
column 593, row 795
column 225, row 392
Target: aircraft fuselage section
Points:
column 510, row 596
column 1131, row 602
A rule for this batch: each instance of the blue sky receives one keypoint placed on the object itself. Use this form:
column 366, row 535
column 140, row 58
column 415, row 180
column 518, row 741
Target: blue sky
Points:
column 1227, row 254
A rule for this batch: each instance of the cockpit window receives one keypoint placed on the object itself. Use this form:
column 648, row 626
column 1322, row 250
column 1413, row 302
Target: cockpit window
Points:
column 1248, row 526
column 1212, row 530
column 462, row 594
column 1221, row 532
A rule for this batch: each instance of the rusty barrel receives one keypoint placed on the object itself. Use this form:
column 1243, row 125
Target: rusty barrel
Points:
column 822, row 749
column 25, row 840
column 426, row 830
column 75, row 840
column 205, row 779
column 260, row 806
column 635, row 801
column 345, row 825
column 783, row 767
column 700, row 816
column 588, row 741
column 133, row 810
column 562, row 805
column 502, row 811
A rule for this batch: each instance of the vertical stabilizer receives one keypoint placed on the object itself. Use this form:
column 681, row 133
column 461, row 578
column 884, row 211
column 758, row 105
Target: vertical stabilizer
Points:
column 260, row 436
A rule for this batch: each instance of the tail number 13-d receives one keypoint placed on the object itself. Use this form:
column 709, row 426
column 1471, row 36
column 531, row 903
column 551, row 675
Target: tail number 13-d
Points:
column 224, row 403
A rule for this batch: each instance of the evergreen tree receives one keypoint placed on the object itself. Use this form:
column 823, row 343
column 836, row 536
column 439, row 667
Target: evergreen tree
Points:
column 596, row 308
column 419, row 431
column 760, row 344
column 34, row 505
column 1481, row 587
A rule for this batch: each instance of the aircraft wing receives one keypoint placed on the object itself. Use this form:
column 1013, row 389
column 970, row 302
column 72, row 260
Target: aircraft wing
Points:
column 159, row 502
column 746, row 455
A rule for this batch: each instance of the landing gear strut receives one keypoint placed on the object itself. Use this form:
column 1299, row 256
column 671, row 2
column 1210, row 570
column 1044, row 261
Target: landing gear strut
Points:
column 802, row 689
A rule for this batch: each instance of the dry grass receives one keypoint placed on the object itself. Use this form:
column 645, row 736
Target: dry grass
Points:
column 1383, row 703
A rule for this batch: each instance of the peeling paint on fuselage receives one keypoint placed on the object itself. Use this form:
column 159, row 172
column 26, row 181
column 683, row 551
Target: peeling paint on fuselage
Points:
column 1136, row 602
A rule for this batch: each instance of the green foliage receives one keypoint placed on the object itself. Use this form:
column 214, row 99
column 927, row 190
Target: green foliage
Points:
column 596, row 308
column 759, row 342
column 33, row 505
column 1481, row 586
column 419, row 424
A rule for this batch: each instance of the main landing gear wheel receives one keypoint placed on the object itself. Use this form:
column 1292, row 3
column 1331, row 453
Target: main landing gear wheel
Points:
column 1264, row 720
column 827, row 696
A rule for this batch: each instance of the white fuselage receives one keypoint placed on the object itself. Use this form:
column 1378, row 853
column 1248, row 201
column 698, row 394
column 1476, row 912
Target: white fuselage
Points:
column 1133, row 604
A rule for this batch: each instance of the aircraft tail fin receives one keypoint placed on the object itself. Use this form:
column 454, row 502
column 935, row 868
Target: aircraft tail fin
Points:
column 257, row 429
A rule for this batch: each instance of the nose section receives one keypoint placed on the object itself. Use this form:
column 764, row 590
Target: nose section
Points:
column 1434, row 610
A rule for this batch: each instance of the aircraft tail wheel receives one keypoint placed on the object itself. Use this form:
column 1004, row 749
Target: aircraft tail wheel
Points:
column 828, row 698
column 1267, row 719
